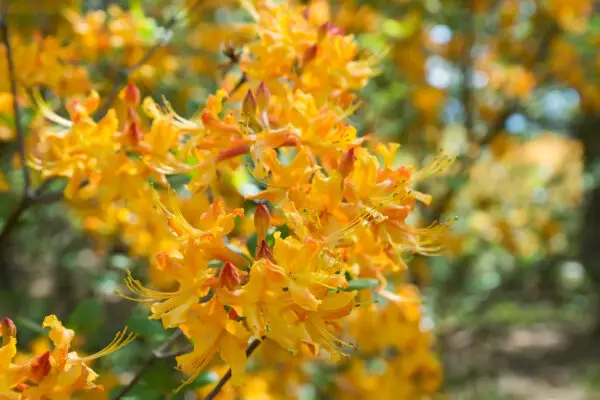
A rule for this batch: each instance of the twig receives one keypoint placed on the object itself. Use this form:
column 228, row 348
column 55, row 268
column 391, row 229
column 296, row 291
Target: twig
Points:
column 158, row 354
column 243, row 79
column 467, row 67
column 225, row 378
column 13, row 218
column 124, row 74
column 12, row 76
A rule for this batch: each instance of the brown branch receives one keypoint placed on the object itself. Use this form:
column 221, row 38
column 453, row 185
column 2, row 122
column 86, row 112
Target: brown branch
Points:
column 158, row 354
column 14, row 217
column 243, row 79
column 467, row 67
column 12, row 76
column 124, row 74
column 225, row 378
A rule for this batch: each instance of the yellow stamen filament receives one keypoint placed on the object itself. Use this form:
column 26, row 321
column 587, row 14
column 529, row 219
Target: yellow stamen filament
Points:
column 121, row 339
column 440, row 163
column 47, row 112
column 144, row 294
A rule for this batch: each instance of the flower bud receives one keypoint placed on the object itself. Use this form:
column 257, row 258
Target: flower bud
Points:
column 264, row 251
column 306, row 13
column 347, row 162
column 262, row 221
column 8, row 330
column 310, row 54
column 40, row 367
column 329, row 28
column 229, row 276
column 249, row 105
column 263, row 95
column 135, row 134
column 131, row 95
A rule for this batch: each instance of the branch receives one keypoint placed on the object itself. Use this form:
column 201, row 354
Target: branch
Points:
column 13, row 218
column 124, row 74
column 158, row 354
column 467, row 67
column 12, row 77
column 225, row 378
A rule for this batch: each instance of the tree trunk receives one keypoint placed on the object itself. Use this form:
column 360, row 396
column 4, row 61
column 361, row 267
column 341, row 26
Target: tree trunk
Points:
column 588, row 131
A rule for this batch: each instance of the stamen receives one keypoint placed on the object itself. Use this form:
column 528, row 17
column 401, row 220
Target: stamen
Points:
column 47, row 112
column 120, row 340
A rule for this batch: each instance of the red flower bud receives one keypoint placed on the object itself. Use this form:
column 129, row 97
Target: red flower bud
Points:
column 347, row 162
column 135, row 133
column 306, row 13
column 310, row 54
column 264, row 251
column 8, row 329
column 40, row 367
column 329, row 28
column 131, row 94
column 229, row 276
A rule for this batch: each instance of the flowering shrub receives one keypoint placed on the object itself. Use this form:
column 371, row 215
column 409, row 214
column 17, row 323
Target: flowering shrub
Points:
column 285, row 260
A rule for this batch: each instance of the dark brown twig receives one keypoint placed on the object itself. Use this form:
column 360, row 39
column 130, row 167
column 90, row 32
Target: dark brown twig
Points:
column 13, row 218
column 12, row 76
column 158, row 354
column 124, row 74
column 225, row 378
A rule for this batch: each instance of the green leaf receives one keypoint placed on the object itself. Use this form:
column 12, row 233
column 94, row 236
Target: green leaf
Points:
column 150, row 329
column 361, row 283
column 87, row 317
column 161, row 378
column 251, row 243
column 205, row 378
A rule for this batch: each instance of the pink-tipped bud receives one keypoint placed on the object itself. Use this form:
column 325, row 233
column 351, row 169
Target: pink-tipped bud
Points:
column 262, row 221
column 135, row 133
column 263, row 95
column 131, row 94
column 40, row 367
column 329, row 28
column 310, row 54
column 306, row 13
column 8, row 330
column 347, row 162
column 249, row 105
column 229, row 277
column 264, row 251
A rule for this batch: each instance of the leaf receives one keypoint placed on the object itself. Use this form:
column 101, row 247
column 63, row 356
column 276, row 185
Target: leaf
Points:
column 87, row 317
column 149, row 329
column 251, row 243
column 205, row 378
column 360, row 283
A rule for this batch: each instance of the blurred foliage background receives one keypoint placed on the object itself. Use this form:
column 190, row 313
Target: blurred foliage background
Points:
column 509, row 87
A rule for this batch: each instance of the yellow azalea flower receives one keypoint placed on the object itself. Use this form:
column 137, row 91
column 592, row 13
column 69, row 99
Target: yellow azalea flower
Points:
column 56, row 373
column 214, row 332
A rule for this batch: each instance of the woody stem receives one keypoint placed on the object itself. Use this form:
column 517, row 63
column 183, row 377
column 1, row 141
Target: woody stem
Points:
column 225, row 378
column 159, row 354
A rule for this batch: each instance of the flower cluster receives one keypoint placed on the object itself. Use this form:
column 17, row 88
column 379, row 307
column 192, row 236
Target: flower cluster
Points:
column 54, row 374
column 328, row 210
